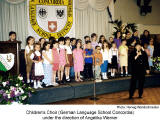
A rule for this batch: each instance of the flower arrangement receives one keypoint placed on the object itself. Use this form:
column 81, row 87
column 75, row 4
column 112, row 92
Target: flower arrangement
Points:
column 14, row 90
column 156, row 63
column 123, row 27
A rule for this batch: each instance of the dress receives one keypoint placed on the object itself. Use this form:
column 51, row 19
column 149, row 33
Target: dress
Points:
column 123, row 50
column 47, row 68
column 113, row 58
column 62, row 55
column 118, row 42
column 78, row 57
column 37, row 68
column 151, row 49
column 55, row 59
column 69, row 55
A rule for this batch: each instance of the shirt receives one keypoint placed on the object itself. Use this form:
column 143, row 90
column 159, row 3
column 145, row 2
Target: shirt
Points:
column 49, row 55
column 28, row 48
column 68, row 49
column 88, row 52
column 94, row 44
column 97, row 59
column 105, row 54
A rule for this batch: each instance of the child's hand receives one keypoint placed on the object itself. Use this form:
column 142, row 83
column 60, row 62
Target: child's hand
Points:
column 36, row 61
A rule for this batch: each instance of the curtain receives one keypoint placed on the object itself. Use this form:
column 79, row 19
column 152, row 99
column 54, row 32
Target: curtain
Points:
column 90, row 21
column 89, row 17
column 13, row 17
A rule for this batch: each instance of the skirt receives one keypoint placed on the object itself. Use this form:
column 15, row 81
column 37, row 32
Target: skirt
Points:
column 55, row 66
column 70, row 59
column 114, row 63
column 104, row 66
column 47, row 74
column 33, row 76
column 29, row 62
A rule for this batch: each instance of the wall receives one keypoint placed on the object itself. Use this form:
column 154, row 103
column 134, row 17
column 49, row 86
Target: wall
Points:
column 128, row 11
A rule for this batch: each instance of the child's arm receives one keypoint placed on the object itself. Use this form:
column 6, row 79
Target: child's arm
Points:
column 66, row 57
column 25, row 56
column 101, row 59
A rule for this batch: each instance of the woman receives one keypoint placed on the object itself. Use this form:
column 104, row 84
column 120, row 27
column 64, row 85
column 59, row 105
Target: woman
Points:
column 139, row 61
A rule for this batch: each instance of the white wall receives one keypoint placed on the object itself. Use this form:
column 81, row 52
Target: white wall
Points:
column 128, row 11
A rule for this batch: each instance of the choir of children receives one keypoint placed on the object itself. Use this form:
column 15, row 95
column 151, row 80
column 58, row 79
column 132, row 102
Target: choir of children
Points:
column 53, row 62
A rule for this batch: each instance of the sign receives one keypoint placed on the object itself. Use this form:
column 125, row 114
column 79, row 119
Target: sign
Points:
column 6, row 62
column 51, row 18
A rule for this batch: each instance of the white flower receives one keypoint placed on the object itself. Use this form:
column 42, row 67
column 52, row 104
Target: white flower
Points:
column 22, row 91
column 20, row 77
column 23, row 98
column 9, row 96
column 17, row 85
column 4, row 83
column 16, row 92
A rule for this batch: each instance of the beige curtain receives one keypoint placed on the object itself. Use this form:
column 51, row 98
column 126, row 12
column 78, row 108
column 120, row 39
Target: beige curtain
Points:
column 92, row 16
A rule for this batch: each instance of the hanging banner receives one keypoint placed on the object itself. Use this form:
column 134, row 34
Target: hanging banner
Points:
column 6, row 61
column 51, row 18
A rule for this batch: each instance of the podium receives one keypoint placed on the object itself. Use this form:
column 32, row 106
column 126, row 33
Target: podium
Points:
column 15, row 48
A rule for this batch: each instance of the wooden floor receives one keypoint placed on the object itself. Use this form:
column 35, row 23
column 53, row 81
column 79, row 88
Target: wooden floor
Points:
column 150, row 96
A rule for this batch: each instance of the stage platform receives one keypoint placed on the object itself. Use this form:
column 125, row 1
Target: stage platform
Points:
column 84, row 89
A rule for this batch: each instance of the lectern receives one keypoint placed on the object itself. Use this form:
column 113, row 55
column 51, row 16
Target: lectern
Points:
column 15, row 48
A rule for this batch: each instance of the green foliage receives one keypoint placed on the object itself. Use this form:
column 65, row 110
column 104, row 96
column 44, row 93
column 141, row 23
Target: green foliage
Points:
column 123, row 28
column 13, row 89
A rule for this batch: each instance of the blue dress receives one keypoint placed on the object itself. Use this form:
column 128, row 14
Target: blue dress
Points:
column 151, row 55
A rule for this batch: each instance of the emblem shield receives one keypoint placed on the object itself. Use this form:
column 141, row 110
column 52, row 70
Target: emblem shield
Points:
column 51, row 18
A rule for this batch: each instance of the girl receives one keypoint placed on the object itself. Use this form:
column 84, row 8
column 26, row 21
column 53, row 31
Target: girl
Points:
column 47, row 63
column 113, row 58
column 123, row 57
column 94, row 42
column 55, row 57
column 27, row 54
column 101, row 39
column 105, row 55
column 110, row 42
column 37, row 72
column 117, row 39
column 42, row 41
column 62, row 59
column 78, row 61
column 151, row 50
column 69, row 64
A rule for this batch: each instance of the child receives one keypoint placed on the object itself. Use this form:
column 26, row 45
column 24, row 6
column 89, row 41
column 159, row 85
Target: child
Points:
column 78, row 61
column 110, row 42
column 94, row 40
column 123, row 57
column 88, row 57
column 27, row 54
column 86, row 38
column 151, row 50
column 62, row 59
column 97, row 63
column 113, row 59
column 117, row 39
column 42, row 41
column 73, row 43
column 12, row 36
column 105, row 55
column 56, row 61
column 69, row 64
column 37, row 72
column 101, row 39
column 47, row 63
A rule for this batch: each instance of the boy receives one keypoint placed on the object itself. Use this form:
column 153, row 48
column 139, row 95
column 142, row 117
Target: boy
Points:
column 12, row 36
column 88, row 58
column 97, row 63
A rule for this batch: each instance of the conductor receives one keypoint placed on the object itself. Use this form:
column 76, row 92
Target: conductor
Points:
column 139, row 63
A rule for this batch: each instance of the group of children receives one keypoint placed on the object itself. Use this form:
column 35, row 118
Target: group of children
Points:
column 47, row 61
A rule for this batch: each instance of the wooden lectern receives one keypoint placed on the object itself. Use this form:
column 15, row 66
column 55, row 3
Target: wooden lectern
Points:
column 15, row 48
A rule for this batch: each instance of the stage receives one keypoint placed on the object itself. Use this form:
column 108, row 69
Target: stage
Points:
column 86, row 88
